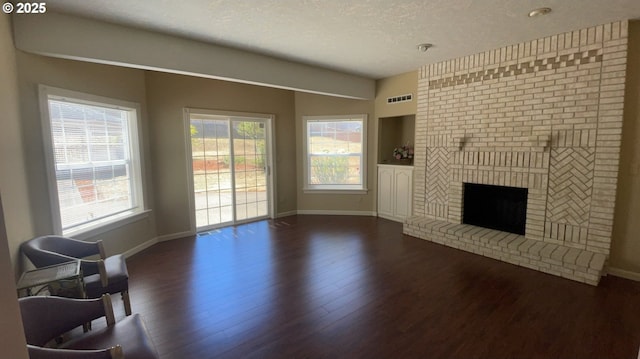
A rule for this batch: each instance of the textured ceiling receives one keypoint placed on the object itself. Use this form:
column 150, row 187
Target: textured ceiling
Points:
column 372, row 38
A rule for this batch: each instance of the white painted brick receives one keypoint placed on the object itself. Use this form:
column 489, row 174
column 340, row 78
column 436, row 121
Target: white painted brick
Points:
column 498, row 115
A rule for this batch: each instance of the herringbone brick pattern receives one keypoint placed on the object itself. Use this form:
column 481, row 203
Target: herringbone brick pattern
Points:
column 570, row 185
column 437, row 176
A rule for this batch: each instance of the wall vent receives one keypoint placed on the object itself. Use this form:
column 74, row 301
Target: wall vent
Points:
column 401, row 98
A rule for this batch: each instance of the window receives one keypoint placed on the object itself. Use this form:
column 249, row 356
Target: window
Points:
column 335, row 153
column 93, row 159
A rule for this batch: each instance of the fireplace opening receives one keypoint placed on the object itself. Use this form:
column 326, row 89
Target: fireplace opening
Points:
column 495, row 207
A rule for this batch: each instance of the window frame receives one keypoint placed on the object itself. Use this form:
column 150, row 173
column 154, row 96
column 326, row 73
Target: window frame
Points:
column 334, row 189
column 107, row 222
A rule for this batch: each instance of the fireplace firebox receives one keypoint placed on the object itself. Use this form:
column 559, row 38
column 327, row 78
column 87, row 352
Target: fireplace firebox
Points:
column 496, row 207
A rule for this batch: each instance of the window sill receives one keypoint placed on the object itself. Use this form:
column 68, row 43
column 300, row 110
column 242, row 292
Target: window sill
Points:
column 334, row 191
column 108, row 224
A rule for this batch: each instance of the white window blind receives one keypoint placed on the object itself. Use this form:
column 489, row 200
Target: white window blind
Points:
column 93, row 159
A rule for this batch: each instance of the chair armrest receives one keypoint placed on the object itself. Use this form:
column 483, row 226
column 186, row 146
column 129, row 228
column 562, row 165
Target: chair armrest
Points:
column 103, row 254
column 90, row 267
column 50, row 353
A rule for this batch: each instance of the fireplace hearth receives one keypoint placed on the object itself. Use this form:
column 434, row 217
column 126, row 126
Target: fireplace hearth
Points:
column 496, row 207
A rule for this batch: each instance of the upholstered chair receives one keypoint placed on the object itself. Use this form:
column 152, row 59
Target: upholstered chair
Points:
column 46, row 319
column 101, row 276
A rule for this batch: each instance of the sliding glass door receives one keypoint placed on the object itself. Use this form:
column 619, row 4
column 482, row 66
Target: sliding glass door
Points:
column 230, row 167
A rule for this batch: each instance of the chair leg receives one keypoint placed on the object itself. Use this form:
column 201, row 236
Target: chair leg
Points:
column 127, row 302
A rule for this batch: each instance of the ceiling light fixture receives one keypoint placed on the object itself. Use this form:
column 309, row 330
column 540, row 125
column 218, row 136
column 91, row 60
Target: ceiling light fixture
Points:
column 424, row 47
column 540, row 11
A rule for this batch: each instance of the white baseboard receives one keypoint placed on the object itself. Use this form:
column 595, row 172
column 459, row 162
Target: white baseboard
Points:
column 391, row 218
column 286, row 214
column 624, row 273
column 337, row 213
column 168, row 237
column 140, row 247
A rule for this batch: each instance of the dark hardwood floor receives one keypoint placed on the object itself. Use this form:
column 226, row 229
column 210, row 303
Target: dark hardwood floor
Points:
column 355, row 287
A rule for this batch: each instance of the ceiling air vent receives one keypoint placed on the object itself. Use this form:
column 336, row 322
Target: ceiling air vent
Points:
column 401, row 98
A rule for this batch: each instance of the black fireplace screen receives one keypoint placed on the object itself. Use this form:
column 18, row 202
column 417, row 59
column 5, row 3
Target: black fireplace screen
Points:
column 495, row 207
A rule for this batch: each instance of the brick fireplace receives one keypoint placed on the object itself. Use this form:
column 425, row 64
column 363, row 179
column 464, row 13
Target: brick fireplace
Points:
column 544, row 115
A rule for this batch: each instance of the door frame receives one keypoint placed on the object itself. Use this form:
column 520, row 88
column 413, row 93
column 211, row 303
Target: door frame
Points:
column 270, row 164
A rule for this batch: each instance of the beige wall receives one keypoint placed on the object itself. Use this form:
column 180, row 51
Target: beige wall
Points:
column 102, row 80
column 402, row 84
column 168, row 95
column 15, row 224
column 317, row 105
column 625, row 247
column 13, row 176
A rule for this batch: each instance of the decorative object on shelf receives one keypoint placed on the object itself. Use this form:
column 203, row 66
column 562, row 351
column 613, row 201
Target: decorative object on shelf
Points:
column 403, row 152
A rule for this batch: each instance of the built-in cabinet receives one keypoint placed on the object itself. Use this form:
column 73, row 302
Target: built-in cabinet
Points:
column 395, row 176
column 395, row 191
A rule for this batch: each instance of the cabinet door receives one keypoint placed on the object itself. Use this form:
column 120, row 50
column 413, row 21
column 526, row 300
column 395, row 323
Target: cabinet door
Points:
column 403, row 192
column 385, row 191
